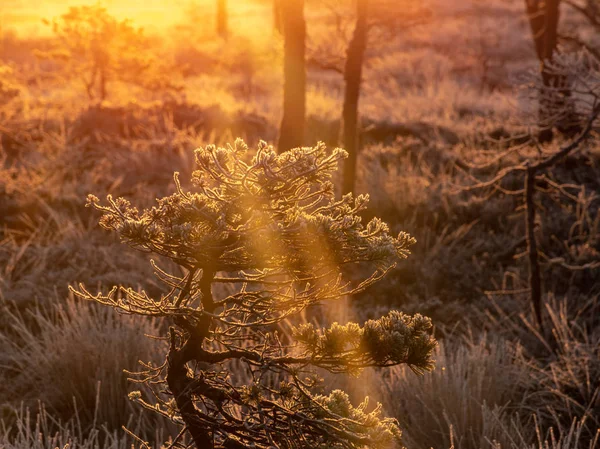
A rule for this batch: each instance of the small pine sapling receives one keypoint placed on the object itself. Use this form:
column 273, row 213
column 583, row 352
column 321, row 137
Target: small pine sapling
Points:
column 273, row 233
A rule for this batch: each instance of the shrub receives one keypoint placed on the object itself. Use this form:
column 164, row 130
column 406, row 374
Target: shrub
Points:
column 98, row 49
column 271, row 230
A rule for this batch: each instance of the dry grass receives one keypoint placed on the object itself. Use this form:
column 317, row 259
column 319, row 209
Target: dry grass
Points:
column 433, row 96
column 463, row 402
column 40, row 430
column 71, row 356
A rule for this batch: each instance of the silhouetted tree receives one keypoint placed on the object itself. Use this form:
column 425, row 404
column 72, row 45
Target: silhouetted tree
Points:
column 535, row 173
column 95, row 47
column 352, row 78
column 291, row 134
column 555, row 105
column 277, row 25
column 384, row 17
column 222, row 29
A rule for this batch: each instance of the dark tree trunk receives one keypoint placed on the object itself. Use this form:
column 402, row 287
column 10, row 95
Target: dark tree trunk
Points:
column 222, row 18
column 277, row 20
column 535, row 277
column 103, row 92
column 291, row 134
column 352, row 77
column 556, row 107
column 179, row 384
column 178, row 380
column 90, row 86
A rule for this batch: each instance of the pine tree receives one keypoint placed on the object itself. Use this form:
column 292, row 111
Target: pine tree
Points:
column 259, row 241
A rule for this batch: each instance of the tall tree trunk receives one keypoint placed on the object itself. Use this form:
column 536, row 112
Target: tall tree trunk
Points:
column 291, row 133
column 556, row 107
column 277, row 25
column 222, row 18
column 352, row 77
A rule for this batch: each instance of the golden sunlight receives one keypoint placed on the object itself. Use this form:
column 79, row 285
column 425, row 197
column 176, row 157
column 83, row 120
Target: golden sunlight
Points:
column 25, row 16
column 353, row 179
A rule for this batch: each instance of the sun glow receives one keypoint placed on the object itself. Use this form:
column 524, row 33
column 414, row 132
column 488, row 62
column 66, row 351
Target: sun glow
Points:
column 25, row 16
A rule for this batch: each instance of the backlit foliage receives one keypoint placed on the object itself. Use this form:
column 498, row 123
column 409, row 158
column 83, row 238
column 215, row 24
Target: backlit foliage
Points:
column 272, row 231
column 98, row 49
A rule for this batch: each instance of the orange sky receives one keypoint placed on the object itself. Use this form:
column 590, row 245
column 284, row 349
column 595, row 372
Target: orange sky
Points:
column 24, row 16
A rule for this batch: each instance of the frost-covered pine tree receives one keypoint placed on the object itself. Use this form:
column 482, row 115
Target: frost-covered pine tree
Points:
column 271, row 231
